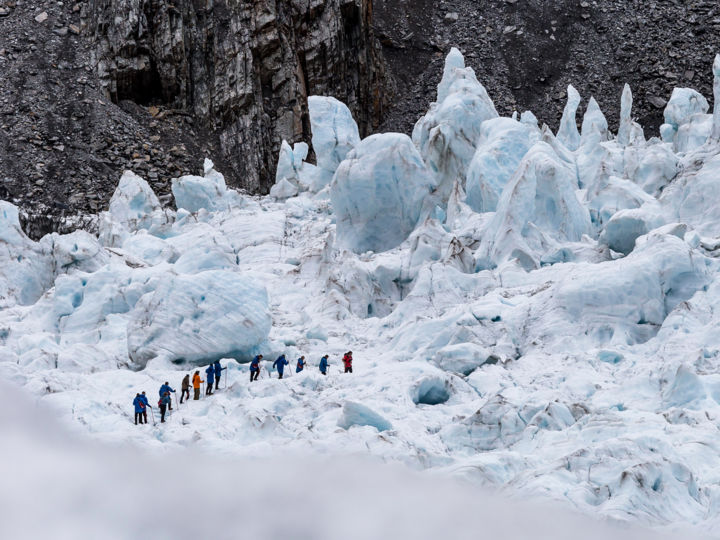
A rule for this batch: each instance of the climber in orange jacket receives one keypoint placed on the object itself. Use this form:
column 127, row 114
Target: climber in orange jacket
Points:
column 197, row 381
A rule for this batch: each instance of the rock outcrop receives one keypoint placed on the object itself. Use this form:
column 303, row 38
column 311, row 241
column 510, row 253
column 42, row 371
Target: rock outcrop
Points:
column 91, row 88
column 243, row 69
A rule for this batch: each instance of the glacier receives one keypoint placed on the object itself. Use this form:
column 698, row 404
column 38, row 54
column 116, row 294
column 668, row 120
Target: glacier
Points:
column 529, row 311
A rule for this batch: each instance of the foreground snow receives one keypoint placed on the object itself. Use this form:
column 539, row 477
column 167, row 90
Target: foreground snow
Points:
column 72, row 493
column 552, row 332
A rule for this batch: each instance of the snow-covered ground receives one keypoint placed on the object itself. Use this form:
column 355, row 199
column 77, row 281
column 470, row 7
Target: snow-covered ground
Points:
column 530, row 312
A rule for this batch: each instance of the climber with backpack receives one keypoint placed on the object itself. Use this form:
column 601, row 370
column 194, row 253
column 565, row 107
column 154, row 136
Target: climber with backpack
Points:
column 139, row 408
column 165, row 389
column 300, row 364
column 280, row 364
column 255, row 368
column 210, row 374
column 163, row 403
column 347, row 361
column 146, row 404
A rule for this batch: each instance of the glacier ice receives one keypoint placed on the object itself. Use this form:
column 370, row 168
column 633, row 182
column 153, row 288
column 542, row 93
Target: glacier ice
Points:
column 133, row 207
column 538, row 208
column 447, row 135
column 378, row 193
column 334, row 131
column 208, row 192
column 199, row 318
column 357, row 414
column 25, row 266
column 716, row 99
column 568, row 133
column 502, row 143
column 529, row 312
column 594, row 124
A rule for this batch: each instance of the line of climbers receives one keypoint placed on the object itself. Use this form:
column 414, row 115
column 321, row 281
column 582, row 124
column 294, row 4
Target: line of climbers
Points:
column 213, row 373
column 281, row 362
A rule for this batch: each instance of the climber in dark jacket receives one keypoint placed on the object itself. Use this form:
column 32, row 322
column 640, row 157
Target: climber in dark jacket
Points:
column 139, row 408
column 185, row 388
column 280, row 364
column 166, row 388
column 255, row 368
column 300, row 364
column 218, row 372
column 164, row 402
column 210, row 372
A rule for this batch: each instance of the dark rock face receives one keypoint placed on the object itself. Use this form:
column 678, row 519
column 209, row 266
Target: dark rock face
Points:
column 242, row 69
column 91, row 88
column 526, row 52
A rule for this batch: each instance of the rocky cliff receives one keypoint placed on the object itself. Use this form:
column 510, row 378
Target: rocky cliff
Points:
column 91, row 88
column 242, row 69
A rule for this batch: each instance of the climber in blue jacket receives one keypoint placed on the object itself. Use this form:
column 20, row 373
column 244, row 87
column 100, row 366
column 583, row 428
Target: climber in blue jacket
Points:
column 139, row 408
column 300, row 364
column 166, row 388
column 210, row 372
column 324, row 364
column 146, row 404
column 280, row 364
column 255, row 368
column 218, row 372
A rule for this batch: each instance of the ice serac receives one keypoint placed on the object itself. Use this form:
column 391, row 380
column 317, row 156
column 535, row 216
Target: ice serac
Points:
column 686, row 125
column 209, row 192
column 133, row 207
column 538, row 209
column 716, row 99
column 199, row 317
column 448, row 134
column 26, row 267
column 334, row 132
column 594, row 125
column 378, row 193
column 623, row 136
column 568, row 132
column 502, row 144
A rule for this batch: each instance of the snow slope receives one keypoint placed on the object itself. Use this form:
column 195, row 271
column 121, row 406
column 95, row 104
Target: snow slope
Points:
column 552, row 333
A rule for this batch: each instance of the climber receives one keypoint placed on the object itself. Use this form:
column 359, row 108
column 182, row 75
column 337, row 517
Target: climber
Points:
column 324, row 365
column 300, row 364
column 139, row 408
column 280, row 364
column 165, row 388
column 164, row 402
column 197, row 381
column 218, row 372
column 146, row 404
column 255, row 368
column 210, row 373
column 347, row 360
column 185, row 388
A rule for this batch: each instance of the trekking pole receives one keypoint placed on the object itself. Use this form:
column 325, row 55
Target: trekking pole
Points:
column 152, row 413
